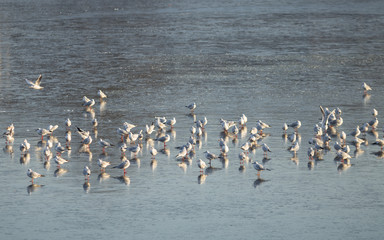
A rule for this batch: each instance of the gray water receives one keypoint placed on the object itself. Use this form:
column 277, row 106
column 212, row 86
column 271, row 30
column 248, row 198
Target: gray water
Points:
column 276, row 61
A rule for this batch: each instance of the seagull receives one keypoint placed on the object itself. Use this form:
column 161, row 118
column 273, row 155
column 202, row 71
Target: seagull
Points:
column 311, row 153
column 134, row 136
column 294, row 148
column 101, row 95
column 104, row 144
column 343, row 137
column 224, row 149
column 87, row 141
column 366, row 87
column 164, row 139
column 210, row 156
column 86, row 172
column 259, row 167
column 242, row 121
column 375, row 113
column 191, row 106
column 171, row 122
column 153, row 152
column 47, row 153
column 95, row 123
column 149, row 129
column 36, row 84
column 136, row 149
column 379, row 142
column 245, row 147
column 343, row 155
column 83, row 134
column 103, row 164
column 182, row 154
column 285, row 127
column 201, row 164
column 59, row 160
column 89, row 103
column 295, row 125
column 59, row 149
column 266, row 149
column 42, row 132
column 25, row 146
column 373, row 123
column 243, row 157
column 160, row 124
column 124, row 165
column 33, row 174
column 68, row 138
column 68, row 123
column 85, row 99
column 356, row 132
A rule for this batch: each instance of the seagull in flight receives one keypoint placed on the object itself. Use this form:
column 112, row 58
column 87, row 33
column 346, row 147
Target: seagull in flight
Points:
column 36, row 84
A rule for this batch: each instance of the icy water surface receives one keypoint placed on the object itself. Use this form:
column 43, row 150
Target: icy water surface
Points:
column 275, row 61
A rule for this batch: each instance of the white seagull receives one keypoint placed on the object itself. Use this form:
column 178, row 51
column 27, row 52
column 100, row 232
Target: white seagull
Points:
column 104, row 144
column 164, row 139
column 191, row 106
column 201, row 164
column 101, row 94
column 265, row 148
column 86, row 172
column 103, row 164
column 366, row 87
column 259, row 167
column 36, row 84
column 33, row 174
column 59, row 160
column 124, row 165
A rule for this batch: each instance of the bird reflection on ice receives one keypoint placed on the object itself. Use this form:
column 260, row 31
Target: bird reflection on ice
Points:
column 124, row 179
column 86, row 186
column 103, row 176
column 201, row 178
column 33, row 187
column 60, row 172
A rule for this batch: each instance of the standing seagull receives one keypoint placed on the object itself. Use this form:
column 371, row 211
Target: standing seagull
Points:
column 266, row 149
column 101, row 95
column 191, row 106
column 68, row 123
column 366, row 87
column 104, row 144
column 36, row 84
column 294, row 148
column 33, row 174
column 86, row 172
column 164, row 139
column 259, row 167
column 124, row 165
column 201, row 164
column 210, row 156
column 103, row 164
column 59, row 160
column 295, row 125
column 153, row 152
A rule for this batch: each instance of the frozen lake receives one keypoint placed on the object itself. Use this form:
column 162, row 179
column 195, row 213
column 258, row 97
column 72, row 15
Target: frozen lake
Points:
column 274, row 61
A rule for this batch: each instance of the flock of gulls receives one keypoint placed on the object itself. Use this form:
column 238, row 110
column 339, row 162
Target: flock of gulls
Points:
column 131, row 140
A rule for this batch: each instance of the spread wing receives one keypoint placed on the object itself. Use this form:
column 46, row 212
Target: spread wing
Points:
column 39, row 80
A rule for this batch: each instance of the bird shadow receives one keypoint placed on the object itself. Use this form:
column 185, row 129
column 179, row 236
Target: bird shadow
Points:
column 211, row 170
column 60, row 172
column 123, row 179
column 259, row 181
